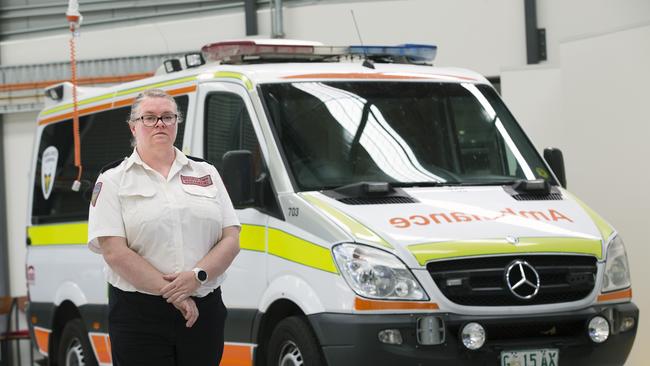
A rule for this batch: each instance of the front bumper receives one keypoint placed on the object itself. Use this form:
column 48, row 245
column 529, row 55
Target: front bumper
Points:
column 351, row 339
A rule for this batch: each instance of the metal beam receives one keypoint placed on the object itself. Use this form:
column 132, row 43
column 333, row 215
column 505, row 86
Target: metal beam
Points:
column 250, row 9
column 535, row 38
column 4, row 246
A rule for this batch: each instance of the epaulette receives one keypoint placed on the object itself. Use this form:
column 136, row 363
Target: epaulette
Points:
column 111, row 165
column 198, row 159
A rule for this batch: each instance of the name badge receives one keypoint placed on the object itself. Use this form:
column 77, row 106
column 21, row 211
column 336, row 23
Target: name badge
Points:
column 204, row 181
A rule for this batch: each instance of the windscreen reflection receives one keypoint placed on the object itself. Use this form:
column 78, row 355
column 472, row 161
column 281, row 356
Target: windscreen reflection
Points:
column 405, row 133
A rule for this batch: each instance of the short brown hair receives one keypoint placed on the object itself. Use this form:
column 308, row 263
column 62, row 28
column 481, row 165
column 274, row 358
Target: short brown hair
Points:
column 152, row 93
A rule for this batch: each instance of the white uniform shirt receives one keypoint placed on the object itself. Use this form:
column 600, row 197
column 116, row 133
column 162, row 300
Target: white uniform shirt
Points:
column 172, row 223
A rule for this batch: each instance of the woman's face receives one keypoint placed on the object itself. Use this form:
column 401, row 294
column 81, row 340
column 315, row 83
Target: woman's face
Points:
column 160, row 135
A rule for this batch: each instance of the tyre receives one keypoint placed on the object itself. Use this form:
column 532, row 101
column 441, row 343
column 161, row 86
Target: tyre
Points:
column 74, row 348
column 293, row 343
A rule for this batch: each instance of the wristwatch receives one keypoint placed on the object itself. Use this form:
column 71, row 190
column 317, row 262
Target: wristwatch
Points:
column 201, row 275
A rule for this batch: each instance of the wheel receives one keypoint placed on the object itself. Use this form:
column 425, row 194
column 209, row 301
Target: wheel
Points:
column 74, row 348
column 293, row 343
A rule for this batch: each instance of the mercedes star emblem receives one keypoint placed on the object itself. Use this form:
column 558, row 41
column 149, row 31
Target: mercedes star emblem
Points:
column 522, row 279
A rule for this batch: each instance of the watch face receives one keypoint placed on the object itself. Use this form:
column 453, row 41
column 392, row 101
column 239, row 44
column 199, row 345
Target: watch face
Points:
column 202, row 275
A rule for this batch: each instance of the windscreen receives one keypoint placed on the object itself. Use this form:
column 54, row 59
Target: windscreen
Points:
column 405, row 133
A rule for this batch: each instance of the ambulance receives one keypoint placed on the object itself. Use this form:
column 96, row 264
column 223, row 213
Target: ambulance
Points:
column 393, row 213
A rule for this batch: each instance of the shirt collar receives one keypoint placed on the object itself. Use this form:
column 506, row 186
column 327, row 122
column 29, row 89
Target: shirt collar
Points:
column 135, row 158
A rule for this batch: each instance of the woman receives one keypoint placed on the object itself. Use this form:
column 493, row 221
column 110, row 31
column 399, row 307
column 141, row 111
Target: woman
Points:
column 167, row 231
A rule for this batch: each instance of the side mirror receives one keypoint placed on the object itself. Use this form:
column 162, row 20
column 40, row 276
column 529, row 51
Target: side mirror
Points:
column 554, row 158
column 238, row 177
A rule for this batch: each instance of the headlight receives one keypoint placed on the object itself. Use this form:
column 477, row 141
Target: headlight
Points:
column 374, row 273
column 617, row 271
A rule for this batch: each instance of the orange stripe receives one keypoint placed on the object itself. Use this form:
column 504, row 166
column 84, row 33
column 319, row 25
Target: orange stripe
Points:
column 185, row 90
column 80, row 81
column 353, row 75
column 123, row 102
column 101, row 348
column 378, row 75
column 116, row 104
column 365, row 304
column 108, row 347
column 624, row 294
column 237, row 355
column 82, row 112
column 42, row 339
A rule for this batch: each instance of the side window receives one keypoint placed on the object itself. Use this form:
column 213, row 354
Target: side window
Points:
column 105, row 137
column 228, row 127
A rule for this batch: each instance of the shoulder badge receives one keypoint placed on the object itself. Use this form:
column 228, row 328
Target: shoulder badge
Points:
column 96, row 191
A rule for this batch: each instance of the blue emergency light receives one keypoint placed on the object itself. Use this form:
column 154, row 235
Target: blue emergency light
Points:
column 414, row 52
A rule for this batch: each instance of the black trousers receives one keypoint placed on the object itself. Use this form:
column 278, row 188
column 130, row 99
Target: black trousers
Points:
column 146, row 330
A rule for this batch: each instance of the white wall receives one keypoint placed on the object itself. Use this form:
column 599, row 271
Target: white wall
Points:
column 533, row 94
column 482, row 35
column 564, row 19
column 606, row 103
column 18, row 131
column 595, row 108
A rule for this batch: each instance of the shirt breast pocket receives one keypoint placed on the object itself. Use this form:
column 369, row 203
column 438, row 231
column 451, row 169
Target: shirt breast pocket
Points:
column 139, row 205
column 202, row 202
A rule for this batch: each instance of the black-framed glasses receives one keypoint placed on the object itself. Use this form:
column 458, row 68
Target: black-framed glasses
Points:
column 150, row 120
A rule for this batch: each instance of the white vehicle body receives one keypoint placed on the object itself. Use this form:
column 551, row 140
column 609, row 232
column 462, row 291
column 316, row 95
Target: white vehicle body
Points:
column 288, row 266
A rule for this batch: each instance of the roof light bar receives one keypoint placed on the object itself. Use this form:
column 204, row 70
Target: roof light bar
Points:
column 236, row 51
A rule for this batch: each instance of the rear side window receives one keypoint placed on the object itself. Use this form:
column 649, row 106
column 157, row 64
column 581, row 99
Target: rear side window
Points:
column 105, row 137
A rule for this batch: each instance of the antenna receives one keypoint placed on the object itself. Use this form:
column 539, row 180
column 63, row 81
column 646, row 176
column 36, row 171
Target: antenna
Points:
column 366, row 62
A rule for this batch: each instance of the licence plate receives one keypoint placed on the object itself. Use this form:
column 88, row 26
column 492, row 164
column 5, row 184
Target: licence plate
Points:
column 535, row 357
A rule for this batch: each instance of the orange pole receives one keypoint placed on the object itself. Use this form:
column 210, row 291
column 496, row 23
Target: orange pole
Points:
column 74, row 18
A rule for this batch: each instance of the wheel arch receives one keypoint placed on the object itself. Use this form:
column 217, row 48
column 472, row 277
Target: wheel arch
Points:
column 63, row 313
column 266, row 322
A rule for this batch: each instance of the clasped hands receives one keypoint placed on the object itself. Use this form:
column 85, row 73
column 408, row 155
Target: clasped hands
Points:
column 177, row 292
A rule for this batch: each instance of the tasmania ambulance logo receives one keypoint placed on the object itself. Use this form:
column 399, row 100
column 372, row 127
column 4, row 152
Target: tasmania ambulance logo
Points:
column 48, row 170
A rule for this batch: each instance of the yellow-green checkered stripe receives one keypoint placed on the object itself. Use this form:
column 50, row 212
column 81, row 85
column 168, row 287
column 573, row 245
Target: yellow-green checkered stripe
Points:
column 81, row 103
column 58, row 234
column 354, row 227
column 295, row 249
column 252, row 237
column 235, row 75
column 470, row 248
column 605, row 229
column 120, row 93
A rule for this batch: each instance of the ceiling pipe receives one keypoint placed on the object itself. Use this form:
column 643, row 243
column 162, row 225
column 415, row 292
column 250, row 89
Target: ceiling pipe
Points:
column 276, row 19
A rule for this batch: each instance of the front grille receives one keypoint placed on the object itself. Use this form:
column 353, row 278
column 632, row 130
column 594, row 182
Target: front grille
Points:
column 481, row 281
column 377, row 200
